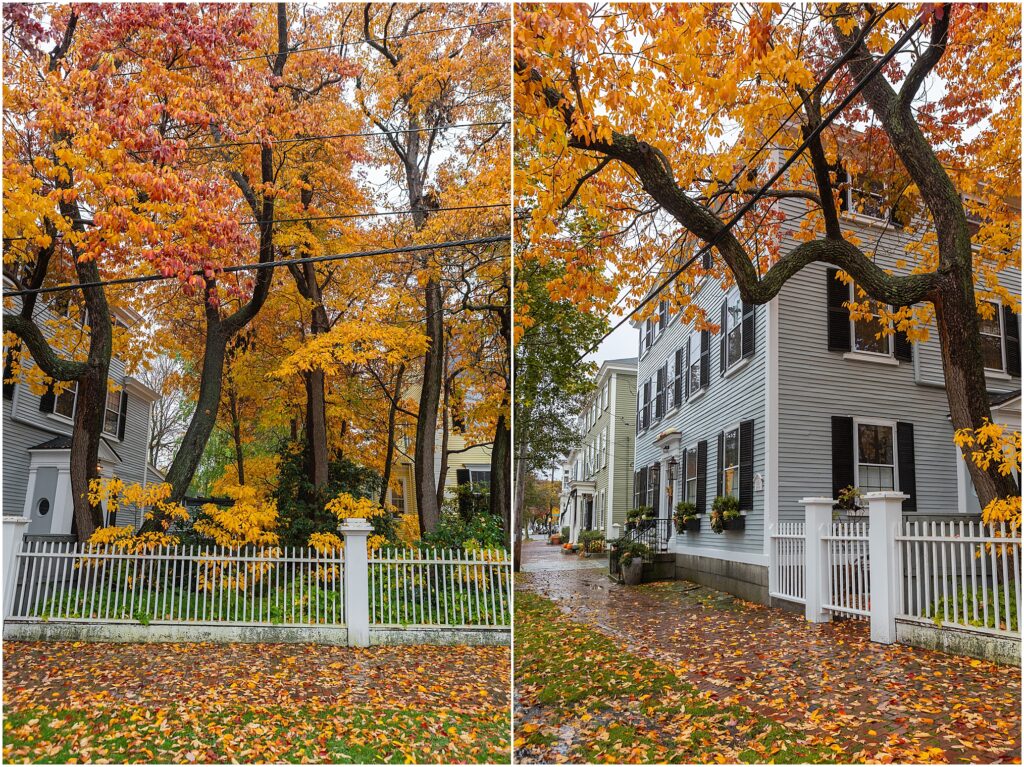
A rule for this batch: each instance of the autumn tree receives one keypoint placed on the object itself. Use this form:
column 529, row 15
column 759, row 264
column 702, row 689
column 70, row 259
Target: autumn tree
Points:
column 433, row 82
column 91, row 189
column 651, row 118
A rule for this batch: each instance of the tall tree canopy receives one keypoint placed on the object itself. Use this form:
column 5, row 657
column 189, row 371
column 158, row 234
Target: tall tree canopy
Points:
column 651, row 120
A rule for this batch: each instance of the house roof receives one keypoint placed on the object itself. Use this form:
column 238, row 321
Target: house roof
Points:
column 63, row 442
column 1002, row 398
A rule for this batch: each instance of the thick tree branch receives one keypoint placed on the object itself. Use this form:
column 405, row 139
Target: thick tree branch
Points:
column 55, row 366
column 929, row 58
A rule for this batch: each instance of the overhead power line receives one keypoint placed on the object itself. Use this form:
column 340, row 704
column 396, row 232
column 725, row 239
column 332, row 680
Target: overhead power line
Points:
column 745, row 208
column 264, row 265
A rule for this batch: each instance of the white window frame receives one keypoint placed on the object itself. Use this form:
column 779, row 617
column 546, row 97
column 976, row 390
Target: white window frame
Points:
column 736, row 466
column 1002, row 335
column 477, row 470
column 889, row 338
column 694, row 363
column 857, row 423
column 685, row 495
column 731, row 297
column 73, row 389
column 884, row 216
column 391, row 496
column 106, row 409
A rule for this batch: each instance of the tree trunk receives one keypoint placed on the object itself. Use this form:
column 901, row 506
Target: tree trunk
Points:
column 426, row 421
column 501, row 491
column 389, row 450
column 236, row 434
column 442, row 474
column 964, row 370
column 520, row 479
column 204, row 418
column 85, row 444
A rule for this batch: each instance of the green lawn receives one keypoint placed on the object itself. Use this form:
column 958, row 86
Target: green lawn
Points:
column 584, row 698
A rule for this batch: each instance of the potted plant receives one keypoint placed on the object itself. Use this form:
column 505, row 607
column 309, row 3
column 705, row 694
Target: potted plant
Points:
column 849, row 501
column 725, row 514
column 686, row 518
column 634, row 517
column 631, row 562
column 555, row 540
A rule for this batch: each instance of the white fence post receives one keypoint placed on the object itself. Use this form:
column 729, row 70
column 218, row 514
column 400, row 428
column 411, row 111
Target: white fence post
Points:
column 885, row 516
column 818, row 523
column 357, row 587
column 14, row 533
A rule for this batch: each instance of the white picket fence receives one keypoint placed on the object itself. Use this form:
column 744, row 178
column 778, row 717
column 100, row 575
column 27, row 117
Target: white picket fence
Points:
column 848, row 566
column 178, row 584
column 440, row 588
column 388, row 590
column 789, row 553
column 962, row 574
column 958, row 574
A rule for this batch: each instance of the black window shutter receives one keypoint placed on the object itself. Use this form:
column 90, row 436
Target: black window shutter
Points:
column 721, row 339
column 643, row 486
column 678, row 383
column 721, row 456
column 838, row 315
column 1012, row 331
column 702, row 476
column 686, row 365
column 653, row 482
column 747, row 465
column 842, row 454
column 705, row 260
column 902, row 349
column 122, row 416
column 905, row 457
column 462, row 478
column 47, row 401
column 748, row 329
column 705, row 358
column 663, row 314
column 8, row 365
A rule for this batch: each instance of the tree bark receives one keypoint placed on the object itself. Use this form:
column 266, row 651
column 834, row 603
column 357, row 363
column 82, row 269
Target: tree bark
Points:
column 501, row 490
column 389, row 450
column 426, row 421
column 520, row 479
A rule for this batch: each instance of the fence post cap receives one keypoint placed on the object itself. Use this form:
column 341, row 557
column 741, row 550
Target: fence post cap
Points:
column 821, row 499
column 355, row 525
column 886, row 495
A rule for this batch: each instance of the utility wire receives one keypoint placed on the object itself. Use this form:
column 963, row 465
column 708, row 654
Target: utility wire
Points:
column 363, row 134
column 828, row 75
column 745, row 208
column 340, row 216
column 263, row 265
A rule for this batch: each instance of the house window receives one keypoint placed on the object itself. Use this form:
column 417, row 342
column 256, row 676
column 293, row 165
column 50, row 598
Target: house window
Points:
column 112, row 413
column 992, row 338
column 868, row 333
column 480, row 479
column 693, row 370
column 647, row 404
column 876, row 464
column 733, row 329
column 865, row 196
column 398, row 497
column 659, row 401
column 648, row 334
column 64, row 404
column 690, row 475
column 731, row 463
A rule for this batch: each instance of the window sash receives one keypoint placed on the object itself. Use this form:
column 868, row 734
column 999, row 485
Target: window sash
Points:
column 731, row 463
column 112, row 413
column 992, row 334
column 690, row 476
column 734, row 329
column 876, row 470
column 65, row 403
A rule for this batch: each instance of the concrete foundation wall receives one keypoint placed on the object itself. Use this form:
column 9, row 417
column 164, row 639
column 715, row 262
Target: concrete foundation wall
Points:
column 745, row 581
column 1004, row 650
column 66, row 631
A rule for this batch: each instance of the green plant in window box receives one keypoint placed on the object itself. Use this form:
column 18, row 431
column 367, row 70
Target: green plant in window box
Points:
column 850, row 502
column 725, row 514
column 640, row 514
column 686, row 518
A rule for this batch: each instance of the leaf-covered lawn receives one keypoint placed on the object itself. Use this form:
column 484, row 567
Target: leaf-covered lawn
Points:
column 75, row 702
column 582, row 698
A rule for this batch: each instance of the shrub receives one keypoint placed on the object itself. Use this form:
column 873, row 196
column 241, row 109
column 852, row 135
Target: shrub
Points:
column 631, row 549
column 592, row 540
column 455, row 530
column 565, row 533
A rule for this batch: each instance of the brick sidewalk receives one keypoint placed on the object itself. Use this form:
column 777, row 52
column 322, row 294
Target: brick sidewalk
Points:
column 883, row 701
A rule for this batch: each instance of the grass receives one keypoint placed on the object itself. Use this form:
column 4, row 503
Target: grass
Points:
column 622, row 708
column 241, row 734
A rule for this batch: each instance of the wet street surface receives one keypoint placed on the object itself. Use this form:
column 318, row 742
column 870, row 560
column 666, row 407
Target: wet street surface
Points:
column 877, row 700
